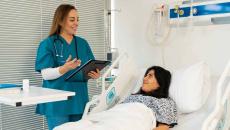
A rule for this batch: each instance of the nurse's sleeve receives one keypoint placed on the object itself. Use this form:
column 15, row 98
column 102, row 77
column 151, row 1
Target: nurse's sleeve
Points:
column 45, row 58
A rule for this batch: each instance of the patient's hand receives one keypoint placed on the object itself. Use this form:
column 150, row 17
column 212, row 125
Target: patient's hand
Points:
column 162, row 127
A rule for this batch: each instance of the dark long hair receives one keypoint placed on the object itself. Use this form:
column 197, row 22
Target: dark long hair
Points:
column 163, row 78
column 60, row 17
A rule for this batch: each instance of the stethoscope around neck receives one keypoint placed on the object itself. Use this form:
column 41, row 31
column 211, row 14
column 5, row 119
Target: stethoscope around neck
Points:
column 62, row 44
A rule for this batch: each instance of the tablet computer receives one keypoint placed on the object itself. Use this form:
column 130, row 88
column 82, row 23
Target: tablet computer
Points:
column 90, row 65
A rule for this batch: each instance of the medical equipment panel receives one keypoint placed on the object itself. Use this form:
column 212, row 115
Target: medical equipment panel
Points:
column 202, row 13
column 200, row 10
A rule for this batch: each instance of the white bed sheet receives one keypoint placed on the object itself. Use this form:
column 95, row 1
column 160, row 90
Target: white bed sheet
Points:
column 192, row 121
column 128, row 116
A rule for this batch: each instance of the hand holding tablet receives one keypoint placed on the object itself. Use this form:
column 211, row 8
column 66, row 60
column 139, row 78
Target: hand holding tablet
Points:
column 89, row 68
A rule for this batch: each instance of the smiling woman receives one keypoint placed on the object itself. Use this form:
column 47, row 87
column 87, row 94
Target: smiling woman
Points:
column 57, row 57
column 28, row 22
column 154, row 93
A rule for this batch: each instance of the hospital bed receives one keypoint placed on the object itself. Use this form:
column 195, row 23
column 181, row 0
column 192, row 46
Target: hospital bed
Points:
column 214, row 115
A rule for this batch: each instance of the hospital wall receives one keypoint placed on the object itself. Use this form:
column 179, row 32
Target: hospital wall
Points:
column 183, row 47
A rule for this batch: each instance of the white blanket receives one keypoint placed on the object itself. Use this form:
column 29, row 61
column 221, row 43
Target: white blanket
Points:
column 128, row 116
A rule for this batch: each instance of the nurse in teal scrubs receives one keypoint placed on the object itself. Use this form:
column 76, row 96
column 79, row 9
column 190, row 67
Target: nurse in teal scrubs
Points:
column 57, row 56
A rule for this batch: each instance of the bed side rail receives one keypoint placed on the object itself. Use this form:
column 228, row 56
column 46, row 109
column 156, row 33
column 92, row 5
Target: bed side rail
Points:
column 219, row 119
column 121, row 86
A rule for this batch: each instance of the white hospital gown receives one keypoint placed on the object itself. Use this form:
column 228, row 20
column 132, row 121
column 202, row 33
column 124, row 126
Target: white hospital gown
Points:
column 164, row 108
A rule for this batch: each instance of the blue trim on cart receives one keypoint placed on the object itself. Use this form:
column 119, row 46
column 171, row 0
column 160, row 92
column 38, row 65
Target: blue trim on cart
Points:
column 9, row 85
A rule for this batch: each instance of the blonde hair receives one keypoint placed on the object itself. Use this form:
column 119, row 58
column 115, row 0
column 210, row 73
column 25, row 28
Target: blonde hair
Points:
column 60, row 17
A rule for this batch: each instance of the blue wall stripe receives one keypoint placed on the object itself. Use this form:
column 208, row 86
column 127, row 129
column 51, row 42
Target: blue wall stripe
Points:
column 209, row 9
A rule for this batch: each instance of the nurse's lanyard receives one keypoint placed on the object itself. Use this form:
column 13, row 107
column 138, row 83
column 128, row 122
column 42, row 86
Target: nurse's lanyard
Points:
column 61, row 53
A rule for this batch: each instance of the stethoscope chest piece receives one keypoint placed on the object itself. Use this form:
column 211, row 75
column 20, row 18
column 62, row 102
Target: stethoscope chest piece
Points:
column 62, row 44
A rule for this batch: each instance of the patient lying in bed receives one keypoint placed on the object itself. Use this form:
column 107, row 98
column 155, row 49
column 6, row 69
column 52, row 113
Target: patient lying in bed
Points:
column 149, row 109
column 154, row 94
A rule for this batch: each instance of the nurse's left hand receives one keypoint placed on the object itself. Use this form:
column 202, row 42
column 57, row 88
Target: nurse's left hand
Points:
column 94, row 75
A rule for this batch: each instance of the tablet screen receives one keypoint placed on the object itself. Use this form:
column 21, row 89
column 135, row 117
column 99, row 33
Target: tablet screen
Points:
column 91, row 65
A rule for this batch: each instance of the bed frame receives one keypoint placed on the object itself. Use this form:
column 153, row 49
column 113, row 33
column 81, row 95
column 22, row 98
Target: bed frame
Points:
column 219, row 118
column 120, row 88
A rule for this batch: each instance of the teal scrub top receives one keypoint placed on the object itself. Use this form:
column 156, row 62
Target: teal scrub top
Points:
column 46, row 58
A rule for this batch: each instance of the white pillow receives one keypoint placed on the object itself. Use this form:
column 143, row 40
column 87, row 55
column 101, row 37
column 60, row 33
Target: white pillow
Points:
column 190, row 87
column 139, row 80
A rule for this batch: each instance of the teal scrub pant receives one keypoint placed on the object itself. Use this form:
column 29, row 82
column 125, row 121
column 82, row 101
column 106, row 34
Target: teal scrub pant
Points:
column 54, row 121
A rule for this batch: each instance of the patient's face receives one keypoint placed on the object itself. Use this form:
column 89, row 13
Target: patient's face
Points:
column 150, row 83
